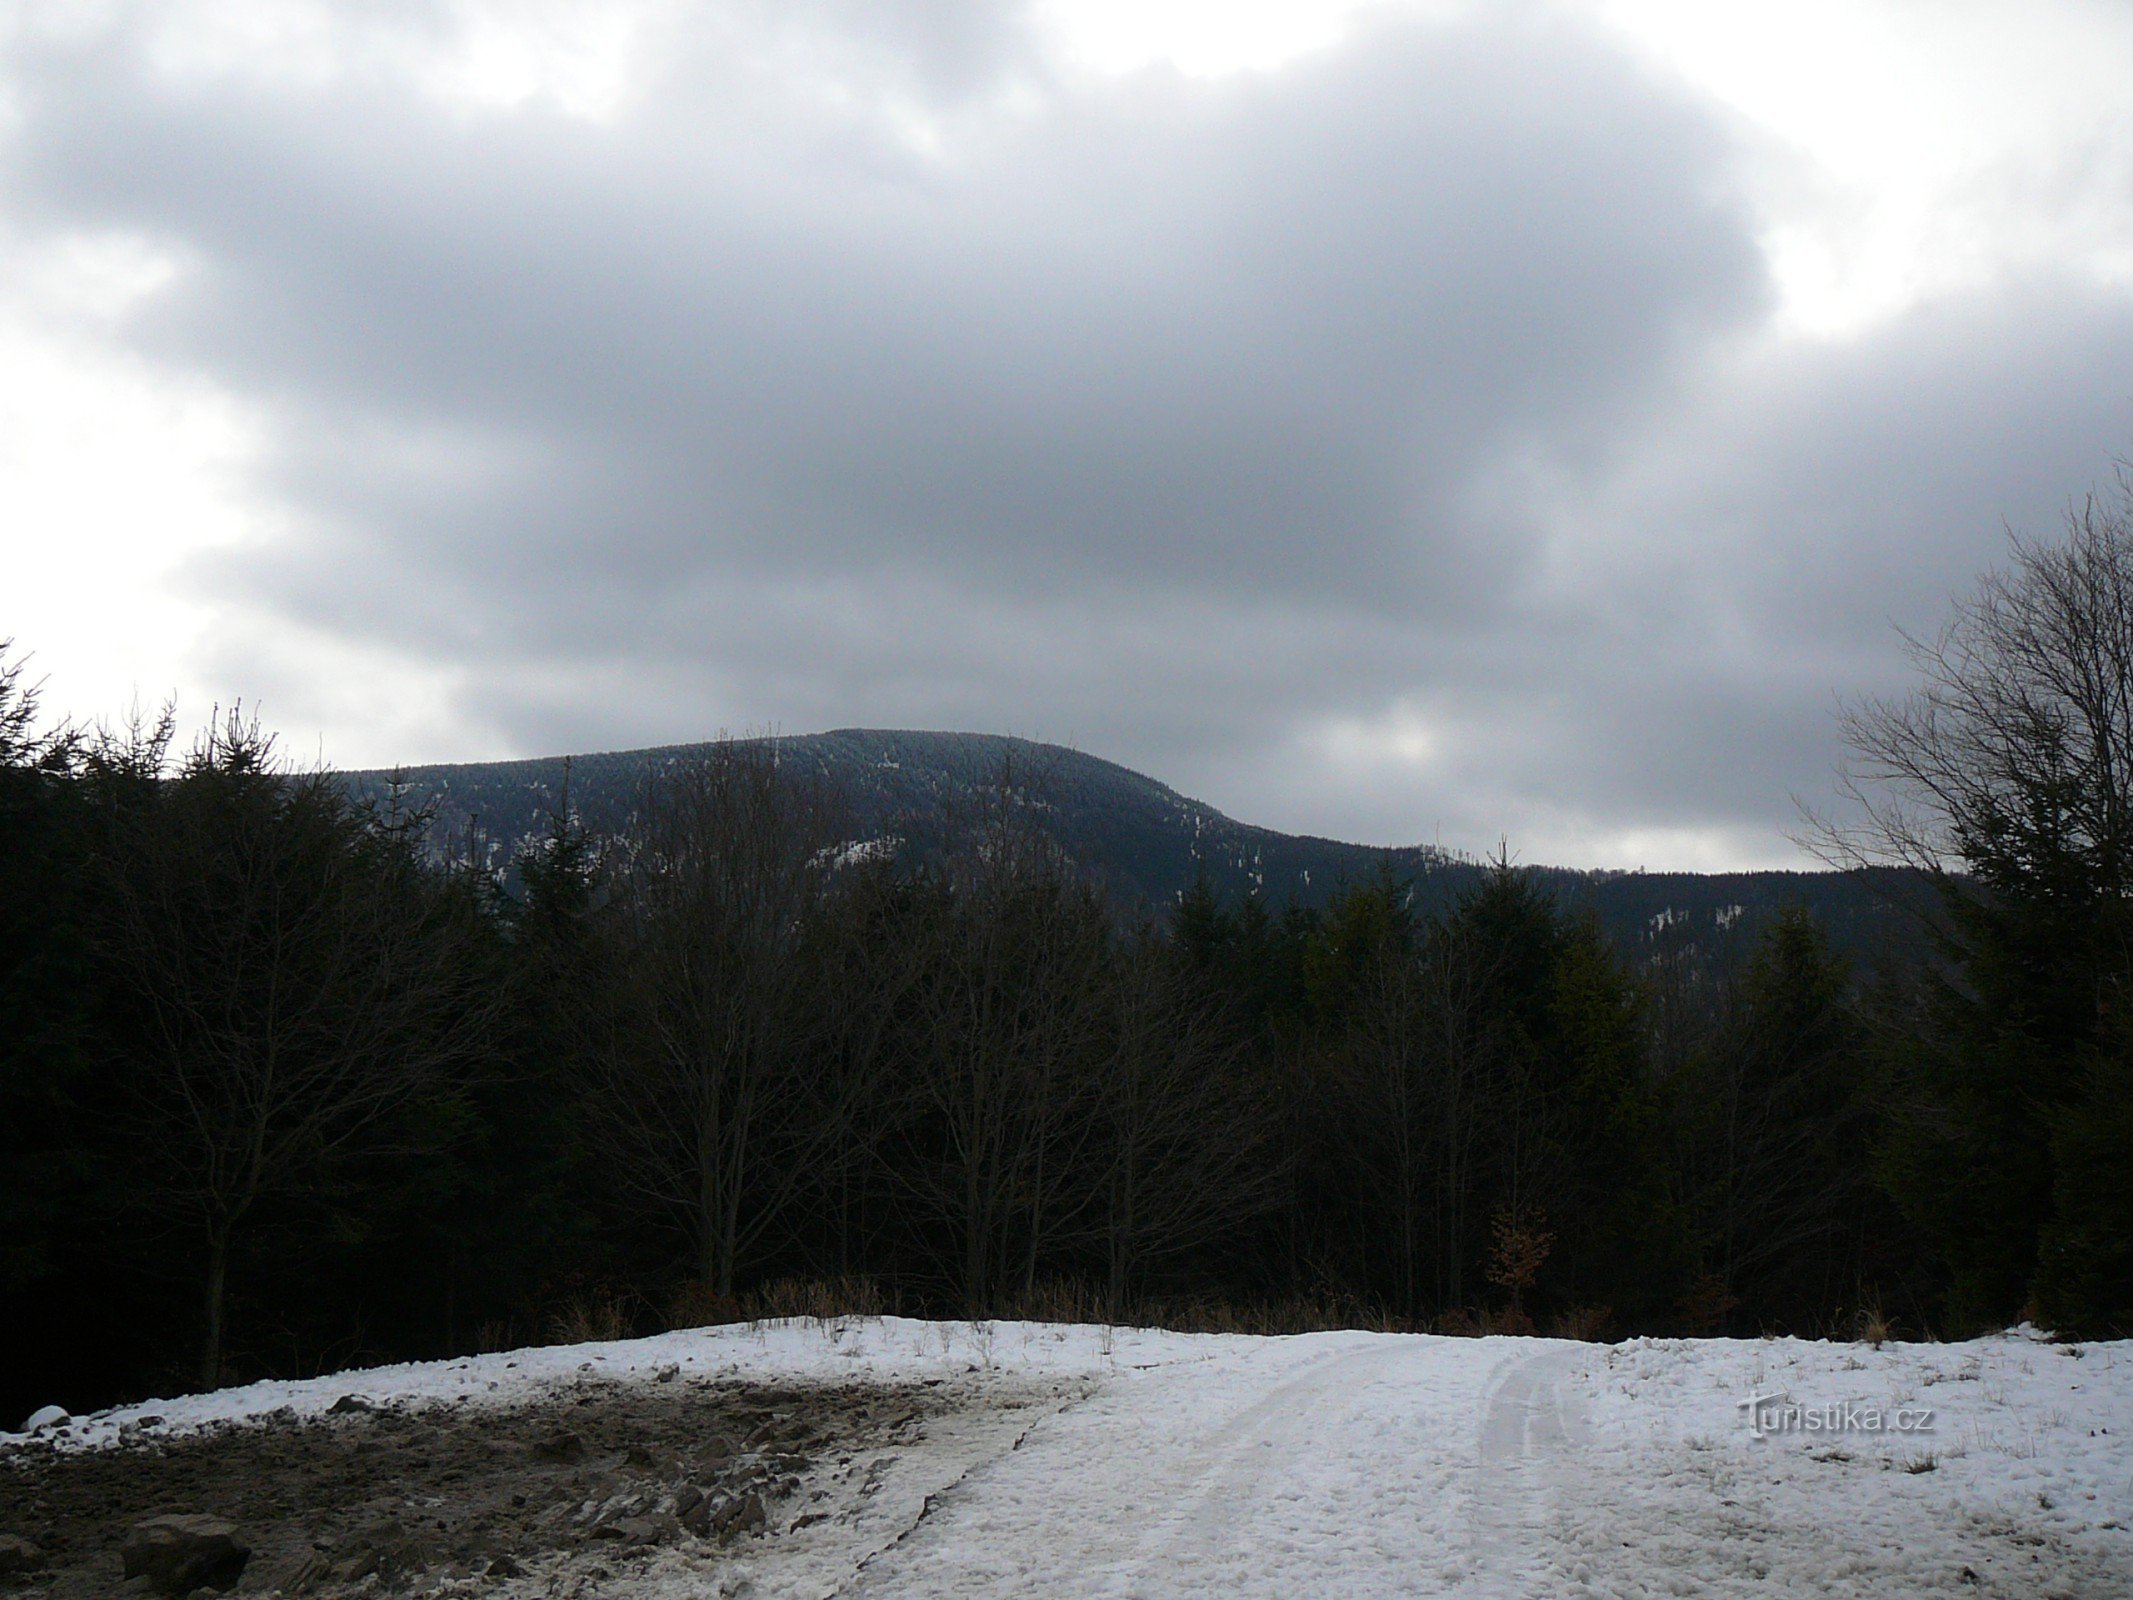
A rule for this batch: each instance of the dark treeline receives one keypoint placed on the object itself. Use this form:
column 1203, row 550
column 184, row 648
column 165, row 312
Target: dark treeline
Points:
column 284, row 1091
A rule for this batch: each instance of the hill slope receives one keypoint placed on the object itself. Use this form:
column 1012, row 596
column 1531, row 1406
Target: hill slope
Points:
column 1141, row 839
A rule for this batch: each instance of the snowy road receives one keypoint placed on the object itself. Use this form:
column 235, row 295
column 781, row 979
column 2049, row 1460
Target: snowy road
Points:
column 1377, row 1459
column 1533, row 1450
column 1139, row 1465
column 1368, row 1466
column 1340, row 1453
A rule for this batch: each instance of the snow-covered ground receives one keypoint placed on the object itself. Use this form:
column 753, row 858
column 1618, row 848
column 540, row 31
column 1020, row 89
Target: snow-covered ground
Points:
column 1125, row 1463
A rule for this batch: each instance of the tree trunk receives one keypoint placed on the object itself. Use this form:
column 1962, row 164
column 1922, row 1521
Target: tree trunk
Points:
column 707, row 1221
column 1121, row 1237
column 218, row 1264
column 1036, row 1226
column 976, row 1266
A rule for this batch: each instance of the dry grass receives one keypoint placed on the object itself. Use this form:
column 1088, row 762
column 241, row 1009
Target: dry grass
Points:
column 1707, row 1305
column 1063, row 1300
column 1589, row 1323
column 1299, row 1313
column 597, row 1316
column 1875, row 1328
column 698, row 1305
column 815, row 1299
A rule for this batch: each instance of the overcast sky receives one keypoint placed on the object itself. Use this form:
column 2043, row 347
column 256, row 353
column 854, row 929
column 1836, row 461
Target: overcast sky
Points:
column 1404, row 423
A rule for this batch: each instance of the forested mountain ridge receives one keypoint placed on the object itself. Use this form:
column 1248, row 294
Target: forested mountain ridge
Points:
column 1144, row 842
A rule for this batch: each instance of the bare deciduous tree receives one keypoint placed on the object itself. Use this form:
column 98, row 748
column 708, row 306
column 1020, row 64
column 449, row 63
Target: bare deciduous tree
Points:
column 868, row 974
column 2007, row 777
column 2017, row 747
column 1186, row 1143
column 1011, row 1020
column 1438, row 1090
column 700, row 1062
column 292, row 983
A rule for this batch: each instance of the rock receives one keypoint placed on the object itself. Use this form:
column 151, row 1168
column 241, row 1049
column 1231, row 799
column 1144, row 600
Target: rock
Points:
column 316, row 1570
column 180, row 1554
column 46, row 1417
column 613, row 1508
column 349, row 1405
column 697, row 1513
column 18, row 1555
column 637, row 1530
column 563, row 1446
column 742, row 1514
column 392, row 1551
column 505, row 1567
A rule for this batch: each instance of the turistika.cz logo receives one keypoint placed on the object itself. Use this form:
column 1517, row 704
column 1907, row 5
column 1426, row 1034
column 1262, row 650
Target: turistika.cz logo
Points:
column 1778, row 1413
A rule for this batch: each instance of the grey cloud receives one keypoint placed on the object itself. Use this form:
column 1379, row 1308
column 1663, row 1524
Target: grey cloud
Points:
column 1177, row 418
column 1211, row 337
column 1753, row 551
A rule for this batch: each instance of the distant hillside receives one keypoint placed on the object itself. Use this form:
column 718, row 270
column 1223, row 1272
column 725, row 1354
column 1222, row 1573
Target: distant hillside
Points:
column 1143, row 841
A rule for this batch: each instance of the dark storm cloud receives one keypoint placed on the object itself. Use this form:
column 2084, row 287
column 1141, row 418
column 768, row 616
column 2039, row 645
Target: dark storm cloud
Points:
column 1751, row 558
column 868, row 368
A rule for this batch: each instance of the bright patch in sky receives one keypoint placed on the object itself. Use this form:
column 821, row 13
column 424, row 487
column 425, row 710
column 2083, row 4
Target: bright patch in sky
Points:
column 1202, row 37
column 112, row 474
column 1916, row 148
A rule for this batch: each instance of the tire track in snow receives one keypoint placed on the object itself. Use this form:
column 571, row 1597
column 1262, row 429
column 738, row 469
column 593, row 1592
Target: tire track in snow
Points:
column 1243, row 1492
column 1339, row 1454
column 1530, row 1453
column 1100, row 1493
